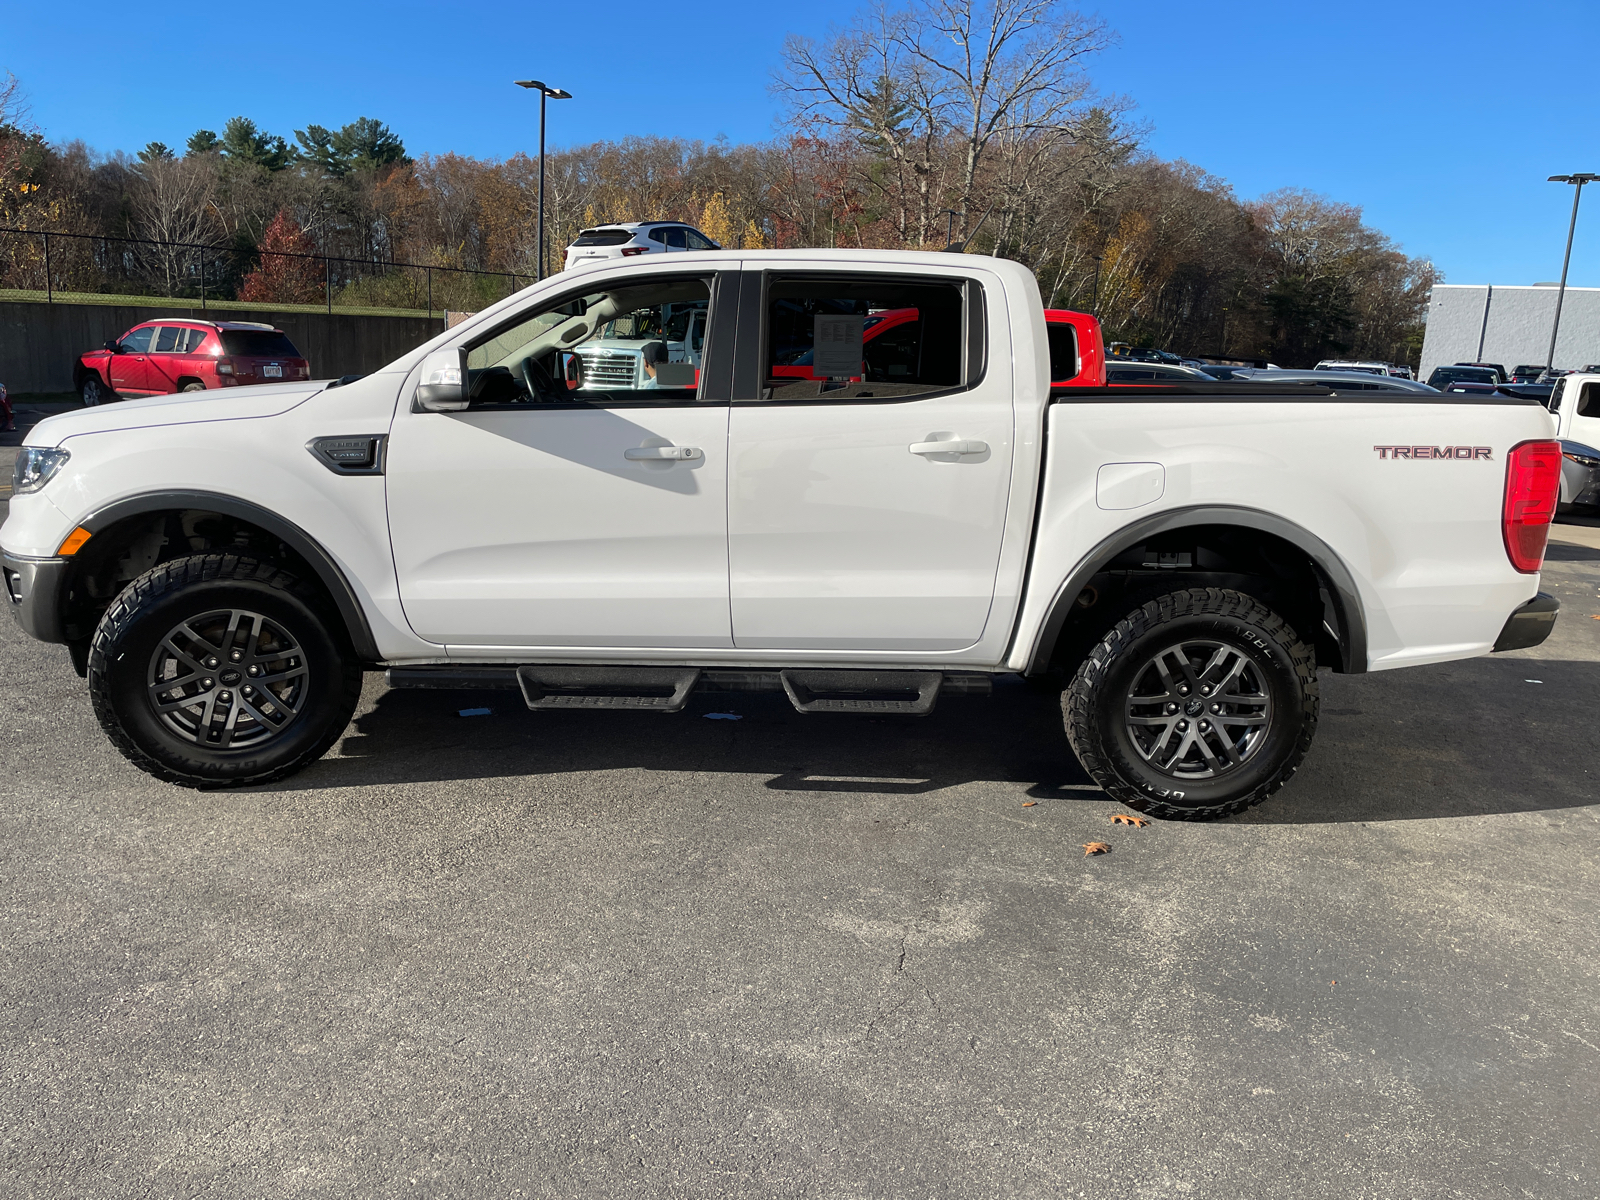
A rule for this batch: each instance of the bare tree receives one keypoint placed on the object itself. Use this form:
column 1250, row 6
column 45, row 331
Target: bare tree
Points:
column 172, row 203
column 916, row 83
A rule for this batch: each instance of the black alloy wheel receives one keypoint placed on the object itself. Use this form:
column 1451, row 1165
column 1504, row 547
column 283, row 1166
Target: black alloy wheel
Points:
column 220, row 671
column 1196, row 705
column 1198, row 709
column 229, row 679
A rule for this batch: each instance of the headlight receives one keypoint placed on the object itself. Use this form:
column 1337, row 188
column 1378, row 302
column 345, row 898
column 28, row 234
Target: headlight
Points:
column 35, row 467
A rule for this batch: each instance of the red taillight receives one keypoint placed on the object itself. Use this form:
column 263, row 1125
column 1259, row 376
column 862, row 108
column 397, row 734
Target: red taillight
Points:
column 1533, row 484
column 630, row 251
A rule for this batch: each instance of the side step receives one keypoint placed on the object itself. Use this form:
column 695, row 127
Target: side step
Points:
column 640, row 689
column 910, row 692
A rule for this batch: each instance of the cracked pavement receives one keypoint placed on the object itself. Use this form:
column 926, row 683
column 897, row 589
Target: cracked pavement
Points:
column 616, row 955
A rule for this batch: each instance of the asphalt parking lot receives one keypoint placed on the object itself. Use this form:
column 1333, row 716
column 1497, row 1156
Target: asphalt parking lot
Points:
column 617, row 955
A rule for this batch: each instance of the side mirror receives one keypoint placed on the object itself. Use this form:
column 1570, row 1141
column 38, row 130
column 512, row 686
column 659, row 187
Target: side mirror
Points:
column 443, row 387
column 113, row 345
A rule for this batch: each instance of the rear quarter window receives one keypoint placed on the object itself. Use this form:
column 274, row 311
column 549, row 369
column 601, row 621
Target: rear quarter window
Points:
column 260, row 344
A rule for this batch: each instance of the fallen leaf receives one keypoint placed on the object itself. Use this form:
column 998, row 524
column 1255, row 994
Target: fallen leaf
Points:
column 1096, row 848
column 1029, row 803
column 1129, row 819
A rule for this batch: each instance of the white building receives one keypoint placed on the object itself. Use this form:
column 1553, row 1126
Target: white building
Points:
column 1510, row 326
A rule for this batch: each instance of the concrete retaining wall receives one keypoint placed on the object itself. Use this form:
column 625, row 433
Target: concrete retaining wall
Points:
column 1510, row 326
column 40, row 342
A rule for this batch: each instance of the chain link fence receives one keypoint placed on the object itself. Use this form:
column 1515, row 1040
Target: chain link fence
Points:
column 77, row 268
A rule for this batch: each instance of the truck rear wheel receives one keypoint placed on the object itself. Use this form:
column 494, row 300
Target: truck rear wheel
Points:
column 219, row 671
column 1196, row 705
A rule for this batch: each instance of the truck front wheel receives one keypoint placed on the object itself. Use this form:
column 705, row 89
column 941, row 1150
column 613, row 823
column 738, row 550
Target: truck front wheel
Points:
column 220, row 671
column 1196, row 705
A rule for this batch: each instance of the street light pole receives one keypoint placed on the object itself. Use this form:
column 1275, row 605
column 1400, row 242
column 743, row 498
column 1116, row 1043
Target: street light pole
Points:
column 545, row 93
column 1577, row 180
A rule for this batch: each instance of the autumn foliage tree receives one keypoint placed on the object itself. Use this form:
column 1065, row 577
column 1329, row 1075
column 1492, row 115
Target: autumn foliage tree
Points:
column 283, row 277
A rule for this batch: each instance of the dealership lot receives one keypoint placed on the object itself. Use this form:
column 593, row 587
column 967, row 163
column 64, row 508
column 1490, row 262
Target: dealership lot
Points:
column 604, row 954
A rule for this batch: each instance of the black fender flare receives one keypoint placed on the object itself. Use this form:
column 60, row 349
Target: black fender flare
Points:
column 287, row 532
column 1343, row 597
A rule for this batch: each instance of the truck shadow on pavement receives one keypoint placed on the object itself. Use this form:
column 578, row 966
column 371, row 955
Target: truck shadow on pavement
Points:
column 1484, row 736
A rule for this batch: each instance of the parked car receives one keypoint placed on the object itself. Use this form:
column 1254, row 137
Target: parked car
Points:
column 1120, row 373
column 1580, row 477
column 1363, row 367
column 1122, row 352
column 1527, row 374
column 626, row 239
column 1575, row 401
column 1343, row 381
column 181, row 355
column 1443, row 377
column 1187, row 557
column 1500, row 372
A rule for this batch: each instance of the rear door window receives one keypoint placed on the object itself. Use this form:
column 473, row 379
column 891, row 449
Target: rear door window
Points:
column 166, row 338
column 877, row 338
column 675, row 239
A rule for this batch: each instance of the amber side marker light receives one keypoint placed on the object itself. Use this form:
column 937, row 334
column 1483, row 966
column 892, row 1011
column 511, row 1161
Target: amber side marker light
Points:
column 74, row 542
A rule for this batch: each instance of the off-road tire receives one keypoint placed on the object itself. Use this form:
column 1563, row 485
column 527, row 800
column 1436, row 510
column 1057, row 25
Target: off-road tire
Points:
column 1096, row 703
column 138, row 622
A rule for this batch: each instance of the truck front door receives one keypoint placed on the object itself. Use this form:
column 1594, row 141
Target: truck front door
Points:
column 590, row 514
column 866, row 505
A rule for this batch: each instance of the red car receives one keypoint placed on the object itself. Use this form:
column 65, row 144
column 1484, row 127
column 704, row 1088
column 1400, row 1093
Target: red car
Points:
column 182, row 355
column 1077, row 353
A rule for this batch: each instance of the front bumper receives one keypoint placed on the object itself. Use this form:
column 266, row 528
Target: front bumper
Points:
column 33, row 587
column 1530, row 624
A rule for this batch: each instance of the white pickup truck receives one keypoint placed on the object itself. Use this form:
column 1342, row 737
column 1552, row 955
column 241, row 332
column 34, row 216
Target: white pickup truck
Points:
column 223, row 567
column 1575, row 402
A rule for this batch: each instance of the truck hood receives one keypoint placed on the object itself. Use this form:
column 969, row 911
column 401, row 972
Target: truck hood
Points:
column 180, row 408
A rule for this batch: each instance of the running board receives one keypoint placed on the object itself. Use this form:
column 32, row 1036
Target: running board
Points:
column 638, row 689
column 910, row 692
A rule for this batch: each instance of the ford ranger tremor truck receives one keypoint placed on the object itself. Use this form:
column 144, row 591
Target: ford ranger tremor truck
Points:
column 1183, row 559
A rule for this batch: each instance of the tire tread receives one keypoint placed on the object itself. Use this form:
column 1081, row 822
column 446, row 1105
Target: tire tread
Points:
column 1078, row 701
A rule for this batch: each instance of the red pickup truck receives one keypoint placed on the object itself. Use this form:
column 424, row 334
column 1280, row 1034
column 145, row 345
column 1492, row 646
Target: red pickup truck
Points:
column 1077, row 351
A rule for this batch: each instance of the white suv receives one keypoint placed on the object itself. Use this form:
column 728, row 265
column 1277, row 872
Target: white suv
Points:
column 628, row 238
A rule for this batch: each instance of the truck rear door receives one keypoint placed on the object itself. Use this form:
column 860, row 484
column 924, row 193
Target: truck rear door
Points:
column 866, row 505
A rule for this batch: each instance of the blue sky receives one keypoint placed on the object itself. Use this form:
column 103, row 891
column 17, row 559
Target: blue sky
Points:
column 1441, row 120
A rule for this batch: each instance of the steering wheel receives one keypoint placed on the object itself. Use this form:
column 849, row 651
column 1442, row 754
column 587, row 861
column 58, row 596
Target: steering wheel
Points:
column 539, row 384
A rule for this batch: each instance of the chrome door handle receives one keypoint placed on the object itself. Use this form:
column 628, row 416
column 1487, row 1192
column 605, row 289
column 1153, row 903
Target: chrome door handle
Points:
column 660, row 453
column 949, row 447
